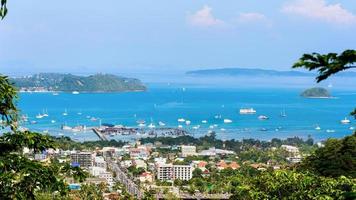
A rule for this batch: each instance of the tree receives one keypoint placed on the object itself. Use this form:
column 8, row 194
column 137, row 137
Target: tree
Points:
column 20, row 177
column 3, row 9
column 328, row 64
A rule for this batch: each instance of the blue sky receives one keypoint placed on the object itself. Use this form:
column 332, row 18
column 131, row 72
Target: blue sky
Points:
column 169, row 36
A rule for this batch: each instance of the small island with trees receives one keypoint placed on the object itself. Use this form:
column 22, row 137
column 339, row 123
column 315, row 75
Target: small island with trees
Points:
column 316, row 92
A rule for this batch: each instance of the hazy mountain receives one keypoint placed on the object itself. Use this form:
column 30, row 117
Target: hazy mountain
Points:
column 69, row 82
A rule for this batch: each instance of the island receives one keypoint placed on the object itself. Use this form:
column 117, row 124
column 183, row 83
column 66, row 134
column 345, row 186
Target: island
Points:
column 57, row 82
column 316, row 92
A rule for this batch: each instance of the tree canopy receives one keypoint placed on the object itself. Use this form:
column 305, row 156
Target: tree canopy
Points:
column 3, row 9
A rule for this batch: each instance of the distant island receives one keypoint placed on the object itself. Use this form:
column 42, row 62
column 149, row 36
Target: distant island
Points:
column 255, row 72
column 316, row 92
column 68, row 83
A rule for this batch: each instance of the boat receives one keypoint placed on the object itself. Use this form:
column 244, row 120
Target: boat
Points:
column 317, row 128
column 75, row 92
column 262, row 117
column 60, row 134
column 140, row 121
column 39, row 116
column 181, row 120
column 187, row 122
column 244, row 111
column 141, row 125
column 196, row 127
column 352, row 128
column 204, row 121
column 263, row 129
column 65, row 113
column 24, row 118
column 211, row 126
column 79, row 113
column 227, row 121
column 151, row 125
column 283, row 113
column 222, row 129
column 66, row 128
column 345, row 121
column 330, row 131
column 55, row 93
column 53, row 121
column 93, row 119
column 45, row 131
column 33, row 122
column 217, row 116
column 161, row 123
column 78, row 128
column 180, row 126
column 45, row 114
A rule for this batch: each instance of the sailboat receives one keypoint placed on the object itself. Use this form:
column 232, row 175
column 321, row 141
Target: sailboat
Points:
column 283, row 113
column 65, row 113
column 39, row 116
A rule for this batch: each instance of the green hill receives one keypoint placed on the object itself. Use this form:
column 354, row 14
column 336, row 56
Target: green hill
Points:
column 316, row 92
column 69, row 83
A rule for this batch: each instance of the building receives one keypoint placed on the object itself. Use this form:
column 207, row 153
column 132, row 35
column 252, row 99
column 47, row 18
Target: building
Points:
column 213, row 152
column 107, row 176
column 290, row 149
column 83, row 159
column 146, row 177
column 139, row 164
column 188, row 150
column 99, row 162
column 168, row 172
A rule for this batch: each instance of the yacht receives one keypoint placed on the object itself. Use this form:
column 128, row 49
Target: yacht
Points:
column 317, row 128
column 53, row 121
column 161, row 123
column 187, row 122
column 45, row 114
column 217, row 117
column 141, row 125
column 244, row 111
column 66, row 128
column 262, row 117
column 151, row 125
column 39, row 116
column 180, row 126
column 345, row 121
column 330, row 131
column 55, row 93
column 181, row 120
column 65, row 113
column 204, row 121
column 227, row 121
column 283, row 114
column 75, row 92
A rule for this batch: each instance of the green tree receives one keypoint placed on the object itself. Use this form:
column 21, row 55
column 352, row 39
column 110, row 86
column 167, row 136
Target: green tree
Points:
column 3, row 9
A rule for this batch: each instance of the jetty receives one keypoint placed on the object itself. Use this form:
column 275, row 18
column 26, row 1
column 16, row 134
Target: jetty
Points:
column 100, row 134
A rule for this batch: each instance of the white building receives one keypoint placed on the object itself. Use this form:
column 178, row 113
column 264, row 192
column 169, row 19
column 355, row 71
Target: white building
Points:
column 139, row 164
column 188, row 150
column 100, row 162
column 290, row 149
column 167, row 172
column 213, row 152
column 108, row 177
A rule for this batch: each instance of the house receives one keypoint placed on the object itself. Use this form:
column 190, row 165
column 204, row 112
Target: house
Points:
column 146, row 177
column 139, row 164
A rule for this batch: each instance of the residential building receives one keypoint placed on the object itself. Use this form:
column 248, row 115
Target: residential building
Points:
column 170, row 172
column 83, row 159
column 100, row 162
column 188, row 150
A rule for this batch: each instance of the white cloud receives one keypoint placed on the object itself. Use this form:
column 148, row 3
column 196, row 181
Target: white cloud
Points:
column 204, row 18
column 320, row 10
column 252, row 17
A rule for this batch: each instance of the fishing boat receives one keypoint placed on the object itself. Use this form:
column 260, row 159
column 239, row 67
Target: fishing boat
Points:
column 262, row 117
column 244, row 111
column 227, row 121
column 345, row 121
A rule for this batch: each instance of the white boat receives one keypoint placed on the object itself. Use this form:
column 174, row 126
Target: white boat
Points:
column 24, row 118
column 75, row 92
column 181, row 120
column 65, row 113
column 204, row 121
column 55, row 93
column 93, row 119
column 196, row 127
column 217, row 116
column 227, row 121
column 187, row 122
column 45, row 114
column 39, row 116
column 283, row 114
column 262, row 117
column 60, row 134
column 141, row 125
column 33, row 122
column 330, row 131
column 161, row 123
column 345, row 121
column 140, row 121
column 79, row 113
column 317, row 128
column 53, row 121
column 151, row 125
column 352, row 128
column 66, row 128
column 211, row 126
column 180, row 126
column 244, row 111
column 222, row 129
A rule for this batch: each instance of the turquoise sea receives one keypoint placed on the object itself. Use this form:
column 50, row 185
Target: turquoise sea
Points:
column 167, row 103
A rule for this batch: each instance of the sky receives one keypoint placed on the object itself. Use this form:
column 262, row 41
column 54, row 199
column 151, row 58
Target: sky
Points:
column 160, row 36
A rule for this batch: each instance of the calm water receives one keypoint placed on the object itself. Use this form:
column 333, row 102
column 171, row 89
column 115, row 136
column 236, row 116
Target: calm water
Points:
column 169, row 103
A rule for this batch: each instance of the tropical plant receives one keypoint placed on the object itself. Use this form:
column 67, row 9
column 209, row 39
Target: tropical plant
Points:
column 3, row 9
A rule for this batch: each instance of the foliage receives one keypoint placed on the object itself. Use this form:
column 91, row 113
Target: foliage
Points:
column 8, row 97
column 3, row 9
column 327, row 64
column 336, row 158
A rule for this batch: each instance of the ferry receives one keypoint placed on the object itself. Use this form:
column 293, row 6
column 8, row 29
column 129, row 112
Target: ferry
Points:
column 345, row 121
column 227, row 121
column 244, row 111
column 262, row 117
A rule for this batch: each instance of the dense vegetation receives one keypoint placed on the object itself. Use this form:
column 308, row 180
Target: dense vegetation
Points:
column 69, row 82
column 316, row 92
